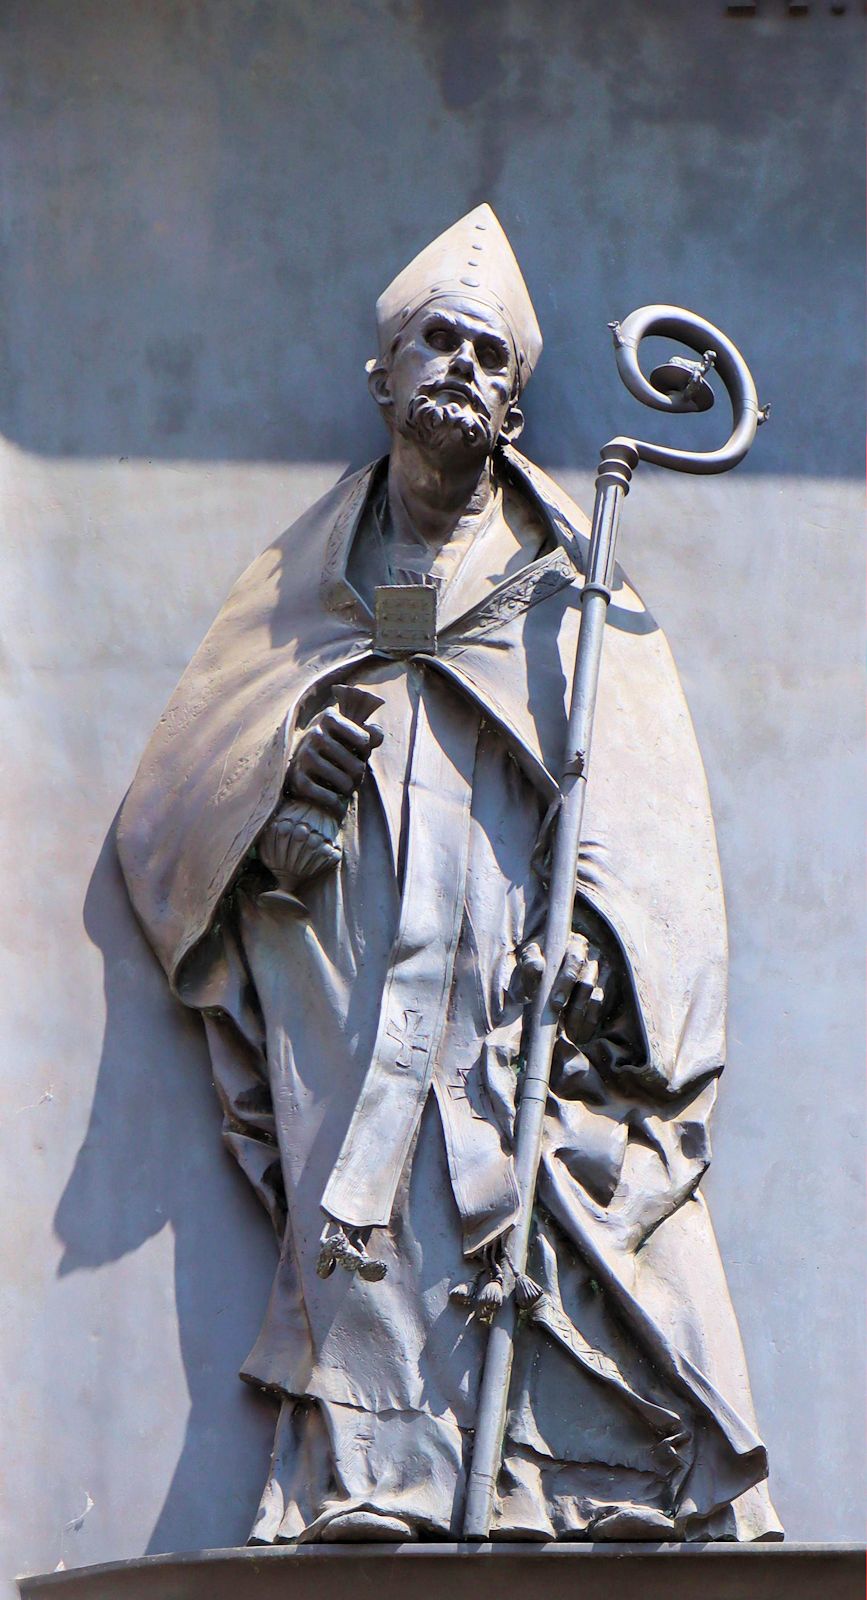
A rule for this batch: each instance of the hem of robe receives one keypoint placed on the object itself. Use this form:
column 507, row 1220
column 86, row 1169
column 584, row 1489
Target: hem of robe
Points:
column 329, row 1460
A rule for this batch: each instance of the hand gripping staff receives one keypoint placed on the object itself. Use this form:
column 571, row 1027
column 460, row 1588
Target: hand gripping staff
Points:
column 677, row 386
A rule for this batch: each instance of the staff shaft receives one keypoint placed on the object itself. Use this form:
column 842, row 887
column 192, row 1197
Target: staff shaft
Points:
column 612, row 484
column 618, row 460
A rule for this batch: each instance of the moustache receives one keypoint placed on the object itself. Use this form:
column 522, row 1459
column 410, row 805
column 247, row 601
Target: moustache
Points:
column 455, row 386
column 435, row 420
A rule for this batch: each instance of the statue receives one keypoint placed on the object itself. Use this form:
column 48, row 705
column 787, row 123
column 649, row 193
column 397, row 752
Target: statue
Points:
column 339, row 845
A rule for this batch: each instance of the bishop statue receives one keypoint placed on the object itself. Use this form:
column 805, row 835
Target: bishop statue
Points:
column 337, row 844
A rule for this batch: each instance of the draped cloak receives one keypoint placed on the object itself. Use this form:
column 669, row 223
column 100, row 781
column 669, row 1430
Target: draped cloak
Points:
column 630, row 1413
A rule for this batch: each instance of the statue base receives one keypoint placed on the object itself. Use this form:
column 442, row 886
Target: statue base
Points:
column 473, row 1572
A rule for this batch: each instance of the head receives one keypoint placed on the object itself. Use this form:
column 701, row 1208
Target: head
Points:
column 449, row 380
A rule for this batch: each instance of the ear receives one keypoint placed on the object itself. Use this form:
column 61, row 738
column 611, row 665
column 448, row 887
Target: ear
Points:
column 377, row 383
column 513, row 424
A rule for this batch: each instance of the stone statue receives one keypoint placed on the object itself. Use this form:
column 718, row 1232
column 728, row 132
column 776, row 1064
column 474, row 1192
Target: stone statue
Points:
column 337, row 843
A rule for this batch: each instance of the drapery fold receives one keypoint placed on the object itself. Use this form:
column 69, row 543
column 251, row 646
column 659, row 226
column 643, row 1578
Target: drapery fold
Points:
column 638, row 1333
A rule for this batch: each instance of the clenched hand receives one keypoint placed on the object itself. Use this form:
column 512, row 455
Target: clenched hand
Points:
column 330, row 760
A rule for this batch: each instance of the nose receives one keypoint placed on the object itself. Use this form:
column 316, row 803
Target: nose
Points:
column 463, row 360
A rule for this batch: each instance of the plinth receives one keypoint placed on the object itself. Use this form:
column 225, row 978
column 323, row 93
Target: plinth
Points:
column 473, row 1572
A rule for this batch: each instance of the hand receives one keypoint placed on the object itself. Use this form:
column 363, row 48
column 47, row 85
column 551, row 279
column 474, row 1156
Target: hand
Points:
column 579, row 991
column 330, row 760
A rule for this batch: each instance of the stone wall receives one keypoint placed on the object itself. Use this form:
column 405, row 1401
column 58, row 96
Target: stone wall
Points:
column 201, row 201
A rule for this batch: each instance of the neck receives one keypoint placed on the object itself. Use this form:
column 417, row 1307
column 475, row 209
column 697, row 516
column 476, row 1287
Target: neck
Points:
column 431, row 497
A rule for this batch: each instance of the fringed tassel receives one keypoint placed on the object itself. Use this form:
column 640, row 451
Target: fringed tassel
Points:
column 489, row 1299
column 528, row 1292
column 338, row 1249
column 486, row 1293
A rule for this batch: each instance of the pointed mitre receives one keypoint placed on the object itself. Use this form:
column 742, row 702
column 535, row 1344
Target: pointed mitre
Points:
column 472, row 261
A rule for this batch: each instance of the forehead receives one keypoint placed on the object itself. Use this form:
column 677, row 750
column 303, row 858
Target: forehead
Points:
column 471, row 319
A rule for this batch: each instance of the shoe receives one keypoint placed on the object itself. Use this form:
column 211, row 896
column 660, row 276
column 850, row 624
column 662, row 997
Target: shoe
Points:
column 361, row 1527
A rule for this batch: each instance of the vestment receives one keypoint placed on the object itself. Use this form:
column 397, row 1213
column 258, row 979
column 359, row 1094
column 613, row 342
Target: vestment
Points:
column 630, row 1411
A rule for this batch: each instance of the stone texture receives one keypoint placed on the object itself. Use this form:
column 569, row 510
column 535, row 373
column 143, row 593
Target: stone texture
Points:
column 193, row 235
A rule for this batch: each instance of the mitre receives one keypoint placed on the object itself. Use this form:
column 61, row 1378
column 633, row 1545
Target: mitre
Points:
column 473, row 261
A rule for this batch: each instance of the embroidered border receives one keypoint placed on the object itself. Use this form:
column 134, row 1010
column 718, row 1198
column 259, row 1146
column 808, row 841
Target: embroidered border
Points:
column 535, row 583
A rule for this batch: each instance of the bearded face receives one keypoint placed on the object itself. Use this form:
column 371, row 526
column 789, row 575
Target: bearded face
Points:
column 451, row 381
column 439, row 421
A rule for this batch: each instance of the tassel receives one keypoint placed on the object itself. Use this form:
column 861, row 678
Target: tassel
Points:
column 527, row 1292
column 488, row 1300
column 338, row 1249
column 371, row 1269
column 329, row 1248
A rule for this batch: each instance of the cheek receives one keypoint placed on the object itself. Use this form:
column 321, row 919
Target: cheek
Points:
column 414, row 368
column 403, row 382
column 498, row 383
column 498, row 393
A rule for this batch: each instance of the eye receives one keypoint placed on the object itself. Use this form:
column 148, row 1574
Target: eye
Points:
column 441, row 339
column 491, row 357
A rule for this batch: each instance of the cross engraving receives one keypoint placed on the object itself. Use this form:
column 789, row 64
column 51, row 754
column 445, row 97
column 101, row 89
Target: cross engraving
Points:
column 461, row 1091
column 409, row 1037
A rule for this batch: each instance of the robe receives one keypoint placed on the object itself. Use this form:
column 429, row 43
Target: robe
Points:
column 367, row 1047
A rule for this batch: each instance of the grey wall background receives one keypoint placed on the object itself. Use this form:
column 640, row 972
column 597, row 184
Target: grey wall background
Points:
column 200, row 201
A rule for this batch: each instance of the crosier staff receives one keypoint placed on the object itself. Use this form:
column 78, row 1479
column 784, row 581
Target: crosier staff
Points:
column 678, row 386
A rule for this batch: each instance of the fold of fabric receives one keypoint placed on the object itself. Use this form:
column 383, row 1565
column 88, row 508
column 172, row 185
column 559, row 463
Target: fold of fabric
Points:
column 412, row 1014
column 378, row 1037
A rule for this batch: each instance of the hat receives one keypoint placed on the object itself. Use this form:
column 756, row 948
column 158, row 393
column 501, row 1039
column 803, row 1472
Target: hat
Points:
column 473, row 261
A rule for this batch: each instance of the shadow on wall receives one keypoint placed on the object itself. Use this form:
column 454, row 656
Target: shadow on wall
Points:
column 193, row 234
column 152, row 1156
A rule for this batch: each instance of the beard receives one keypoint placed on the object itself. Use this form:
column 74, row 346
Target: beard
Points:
column 447, row 425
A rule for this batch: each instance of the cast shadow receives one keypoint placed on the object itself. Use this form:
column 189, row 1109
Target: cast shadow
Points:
column 153, row 1156
column 200, row 233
